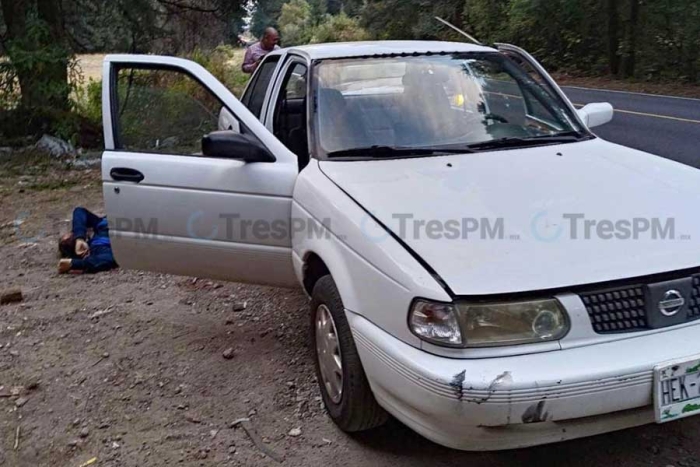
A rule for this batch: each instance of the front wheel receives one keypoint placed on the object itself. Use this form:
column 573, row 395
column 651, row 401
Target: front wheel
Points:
column 344, row 387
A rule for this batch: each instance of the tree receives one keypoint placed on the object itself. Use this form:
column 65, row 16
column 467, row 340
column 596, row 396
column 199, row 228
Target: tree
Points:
column 40, row 37
column 334, row 7
column 295, row 22
column 629, row 61
column 319, row 9
column 488, row 19
column 613, row 36
column 265, row 14
column 339, row 28
column 36, row 45
column 413, row 19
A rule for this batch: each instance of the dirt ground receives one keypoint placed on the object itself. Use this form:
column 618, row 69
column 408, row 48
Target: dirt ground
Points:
column 127, row 367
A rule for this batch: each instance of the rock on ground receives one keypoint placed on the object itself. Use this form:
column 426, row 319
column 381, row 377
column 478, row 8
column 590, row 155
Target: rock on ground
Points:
column 56, row 147
column 10, row 296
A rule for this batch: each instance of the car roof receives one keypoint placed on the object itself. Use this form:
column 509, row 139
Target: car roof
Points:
column 379, row 48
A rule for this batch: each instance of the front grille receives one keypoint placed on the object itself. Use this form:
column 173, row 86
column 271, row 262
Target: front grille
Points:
column 616, row 310
column 694, row 308
column 623, row 309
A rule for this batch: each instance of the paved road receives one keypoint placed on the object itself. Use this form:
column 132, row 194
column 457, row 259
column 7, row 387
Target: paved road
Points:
column 666, row 126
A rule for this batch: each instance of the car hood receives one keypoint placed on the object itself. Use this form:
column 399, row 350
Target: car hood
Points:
column 520, row 216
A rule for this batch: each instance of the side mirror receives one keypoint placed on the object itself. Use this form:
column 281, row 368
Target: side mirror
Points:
column 231, row 145
column 596, row 114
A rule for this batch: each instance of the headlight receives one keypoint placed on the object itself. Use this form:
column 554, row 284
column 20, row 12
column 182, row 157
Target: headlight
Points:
column 491, row 324
column 435, row 322
column 513, row 323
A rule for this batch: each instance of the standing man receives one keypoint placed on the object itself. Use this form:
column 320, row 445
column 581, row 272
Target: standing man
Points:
column 256, row 52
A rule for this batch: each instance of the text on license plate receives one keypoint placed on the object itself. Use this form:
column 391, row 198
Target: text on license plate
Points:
column 677, row 389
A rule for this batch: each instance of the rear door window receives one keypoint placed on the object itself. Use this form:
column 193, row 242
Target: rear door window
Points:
column 254, row 97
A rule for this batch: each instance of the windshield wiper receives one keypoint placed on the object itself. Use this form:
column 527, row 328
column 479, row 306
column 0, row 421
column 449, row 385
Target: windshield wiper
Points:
column 381, row 151
column 513, row 142
column 579, row 135
column 377, row 151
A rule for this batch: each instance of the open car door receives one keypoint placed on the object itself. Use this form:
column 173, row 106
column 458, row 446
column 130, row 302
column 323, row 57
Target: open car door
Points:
column 589, row 116
column 181, row 197
column 535, row 70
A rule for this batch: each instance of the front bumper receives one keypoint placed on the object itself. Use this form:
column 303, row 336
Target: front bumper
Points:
column 518, row 401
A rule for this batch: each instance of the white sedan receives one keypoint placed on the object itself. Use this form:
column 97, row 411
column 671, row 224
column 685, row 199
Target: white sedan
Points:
column 480, row 265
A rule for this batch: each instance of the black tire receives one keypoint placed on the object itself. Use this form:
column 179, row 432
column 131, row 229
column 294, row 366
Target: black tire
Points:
column 357, row 409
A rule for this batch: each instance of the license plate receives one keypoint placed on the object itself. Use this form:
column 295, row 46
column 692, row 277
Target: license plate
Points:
column 677, row 389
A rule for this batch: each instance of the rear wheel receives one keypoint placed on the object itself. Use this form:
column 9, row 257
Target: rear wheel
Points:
column 344, row 387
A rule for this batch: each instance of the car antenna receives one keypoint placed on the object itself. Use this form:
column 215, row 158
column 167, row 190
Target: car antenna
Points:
column 452, row 26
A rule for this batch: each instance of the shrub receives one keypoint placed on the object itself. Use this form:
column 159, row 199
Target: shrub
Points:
column 224, row 62
column 89, row 101
column 339, row 28
column 295, row 22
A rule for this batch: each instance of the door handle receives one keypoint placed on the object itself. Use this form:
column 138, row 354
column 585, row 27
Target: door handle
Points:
column 124, row 174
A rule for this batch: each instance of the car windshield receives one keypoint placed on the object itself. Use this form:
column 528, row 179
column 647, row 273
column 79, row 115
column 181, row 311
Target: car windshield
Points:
column 423, row 105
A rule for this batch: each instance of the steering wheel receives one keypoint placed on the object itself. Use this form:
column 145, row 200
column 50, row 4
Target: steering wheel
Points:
column 495, row 118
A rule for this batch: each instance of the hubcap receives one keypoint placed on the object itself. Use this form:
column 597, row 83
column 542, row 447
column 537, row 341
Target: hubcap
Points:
column 328, row 354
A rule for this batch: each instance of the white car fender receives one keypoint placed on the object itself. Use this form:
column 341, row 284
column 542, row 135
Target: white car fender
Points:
column 375, row 275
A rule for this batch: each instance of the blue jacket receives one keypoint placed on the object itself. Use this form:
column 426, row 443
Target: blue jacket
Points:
column 100, row 258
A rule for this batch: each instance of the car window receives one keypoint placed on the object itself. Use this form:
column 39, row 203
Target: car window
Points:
column 163, row 111
column 295, row 82
column 431, row 101
column 289, row 121
column 254, row 96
